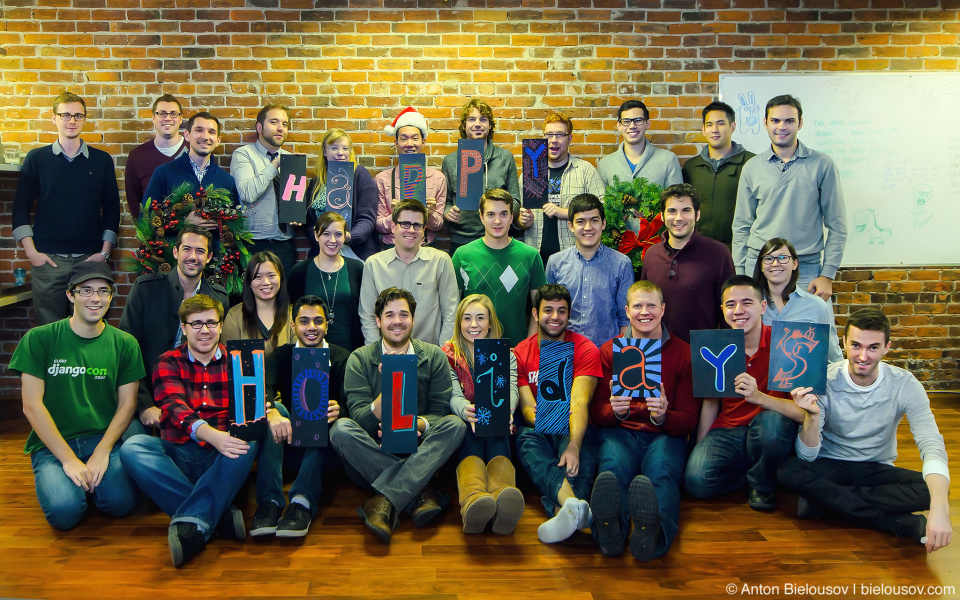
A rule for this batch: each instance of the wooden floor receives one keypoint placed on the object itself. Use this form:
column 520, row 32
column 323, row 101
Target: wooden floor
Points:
column 721, row 543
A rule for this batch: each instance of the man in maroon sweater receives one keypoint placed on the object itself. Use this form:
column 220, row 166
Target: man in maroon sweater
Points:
column 160, row 149
column 688, row 267
column 643, row 443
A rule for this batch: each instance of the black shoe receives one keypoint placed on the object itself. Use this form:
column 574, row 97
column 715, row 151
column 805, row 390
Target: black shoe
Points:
column 295, row 521
column 265, row 519
column 230, row 526
column 807, row 509
column 765, row 501
column 908, row 526
column 427, row 505
column 380, row 517
column 185, row 541
column 645, row 514
column 605, row 504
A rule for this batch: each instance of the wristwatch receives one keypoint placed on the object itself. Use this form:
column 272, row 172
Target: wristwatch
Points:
column 105, row 255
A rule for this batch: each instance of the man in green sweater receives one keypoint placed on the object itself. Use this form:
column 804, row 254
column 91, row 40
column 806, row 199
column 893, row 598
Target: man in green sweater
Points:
column 715, row 172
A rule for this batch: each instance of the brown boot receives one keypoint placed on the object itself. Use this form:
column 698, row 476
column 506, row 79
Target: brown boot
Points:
column 476, row 505
column 502, row 483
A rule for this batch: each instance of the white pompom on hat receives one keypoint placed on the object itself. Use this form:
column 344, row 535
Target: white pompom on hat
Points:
column 408, row 117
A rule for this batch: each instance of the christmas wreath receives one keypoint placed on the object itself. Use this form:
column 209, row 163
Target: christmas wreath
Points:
column 636, row 201
column 159, row 226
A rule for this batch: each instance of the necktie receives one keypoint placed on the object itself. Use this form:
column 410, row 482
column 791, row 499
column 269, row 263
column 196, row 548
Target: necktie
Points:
column 276, row 180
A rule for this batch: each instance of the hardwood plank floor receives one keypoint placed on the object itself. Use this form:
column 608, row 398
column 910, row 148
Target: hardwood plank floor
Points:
column 722, row 542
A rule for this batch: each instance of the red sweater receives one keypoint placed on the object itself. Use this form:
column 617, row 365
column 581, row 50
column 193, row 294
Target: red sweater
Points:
column 683, row 409
column 141, row 163
column 737, row 412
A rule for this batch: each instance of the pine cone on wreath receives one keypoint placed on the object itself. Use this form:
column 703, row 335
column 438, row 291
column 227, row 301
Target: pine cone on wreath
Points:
column 164, row 268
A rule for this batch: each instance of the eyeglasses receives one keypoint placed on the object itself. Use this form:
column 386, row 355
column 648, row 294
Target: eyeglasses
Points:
column 555, row 136
column 68, row 116
column 86, row 292
column 409, row 224
column 781, row 258
column 638, row 121
column 201, row 324
column 164, row 114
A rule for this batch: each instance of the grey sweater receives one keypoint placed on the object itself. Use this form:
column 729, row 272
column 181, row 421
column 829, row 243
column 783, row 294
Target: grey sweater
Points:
column 859, row 423
column 500, row 171
column 656, row 165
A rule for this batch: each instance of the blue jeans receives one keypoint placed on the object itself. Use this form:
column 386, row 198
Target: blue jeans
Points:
column 486, row 448
column 63, row 502
column 660, row 457
column 309, row 481
column 189, row 482
column 539, row 454
column 726, row 459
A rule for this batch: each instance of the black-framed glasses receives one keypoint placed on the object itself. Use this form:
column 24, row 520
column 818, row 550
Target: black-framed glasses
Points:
column 86, row 292
column 72, row 116
column 409, row 224
column 555, row 136
column 201, row 324
column 637, row 121
column 780, row 258
column 164, row 114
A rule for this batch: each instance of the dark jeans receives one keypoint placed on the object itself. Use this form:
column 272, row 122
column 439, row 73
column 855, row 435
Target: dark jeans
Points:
column 188, row 482
column 309, row 481
column 660, row 457
column 725, row 459
column 867, row 491
column 539, row 454
column 485, row 447
column 286, row 251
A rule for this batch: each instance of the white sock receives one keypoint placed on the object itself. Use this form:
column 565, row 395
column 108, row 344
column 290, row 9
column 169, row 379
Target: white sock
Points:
column 585, row 514
column 301, row 501
column 562, row 525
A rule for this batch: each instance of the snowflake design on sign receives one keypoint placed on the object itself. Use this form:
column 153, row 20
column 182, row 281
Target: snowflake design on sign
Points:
column 483, row 416
column 481, row 359
column 501, row 382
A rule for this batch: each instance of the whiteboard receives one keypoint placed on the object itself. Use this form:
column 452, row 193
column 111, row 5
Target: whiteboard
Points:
column 896, row 140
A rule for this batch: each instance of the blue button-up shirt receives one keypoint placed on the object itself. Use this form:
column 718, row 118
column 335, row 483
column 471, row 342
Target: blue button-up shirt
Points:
column 804, row 307
column 598, row 288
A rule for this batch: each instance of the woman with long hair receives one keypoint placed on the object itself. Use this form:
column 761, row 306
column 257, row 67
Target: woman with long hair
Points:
column 361, row 240
column 264, row 312
column 486, row 478
column 333, row 277
column 777, row 270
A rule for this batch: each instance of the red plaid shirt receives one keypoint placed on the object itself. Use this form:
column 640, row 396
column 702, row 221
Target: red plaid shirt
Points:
column 188, row 391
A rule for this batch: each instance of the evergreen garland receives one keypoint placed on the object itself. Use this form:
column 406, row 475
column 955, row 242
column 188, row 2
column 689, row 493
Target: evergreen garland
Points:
column 639, row 198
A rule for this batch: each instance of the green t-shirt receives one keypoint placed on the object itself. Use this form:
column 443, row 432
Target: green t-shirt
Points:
column 506, row 276
column 80, row 375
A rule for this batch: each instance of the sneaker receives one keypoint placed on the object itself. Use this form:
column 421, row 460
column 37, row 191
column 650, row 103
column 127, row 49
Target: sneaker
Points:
column 807, row 509
column 645, row 514
column 605, row 503
column 908, row 526
column 185, row 541
column 230, row 526
column 427, row 506
column 265, row 519
column 765, row 501
column 295, row 521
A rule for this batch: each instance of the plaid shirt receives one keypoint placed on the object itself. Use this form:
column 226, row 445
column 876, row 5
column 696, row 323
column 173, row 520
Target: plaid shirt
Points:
column 580, row 177
column 187, row 391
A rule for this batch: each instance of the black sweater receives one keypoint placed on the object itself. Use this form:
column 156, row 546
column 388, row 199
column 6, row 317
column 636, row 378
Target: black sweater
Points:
column 76, row 201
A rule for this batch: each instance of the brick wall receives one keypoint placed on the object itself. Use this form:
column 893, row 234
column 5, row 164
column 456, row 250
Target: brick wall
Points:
column 354, row 64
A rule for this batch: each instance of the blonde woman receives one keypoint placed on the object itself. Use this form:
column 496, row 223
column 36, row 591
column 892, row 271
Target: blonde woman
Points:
column 485, row 476
column 362, row 239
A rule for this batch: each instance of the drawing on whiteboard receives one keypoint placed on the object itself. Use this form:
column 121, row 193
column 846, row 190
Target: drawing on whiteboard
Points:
column 865, row 225
column 921, row 195
column 749, row 114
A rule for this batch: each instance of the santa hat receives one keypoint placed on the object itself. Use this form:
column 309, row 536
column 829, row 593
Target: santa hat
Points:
column 408, row 117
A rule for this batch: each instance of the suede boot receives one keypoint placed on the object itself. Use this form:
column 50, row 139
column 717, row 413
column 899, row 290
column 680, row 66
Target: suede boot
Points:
column 502, row 484
column 476, row 505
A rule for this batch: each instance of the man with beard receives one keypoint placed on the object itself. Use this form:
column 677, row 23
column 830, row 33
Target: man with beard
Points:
column 256, row 171
column 197, row 167
column 150, row 314
column 399, row 483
